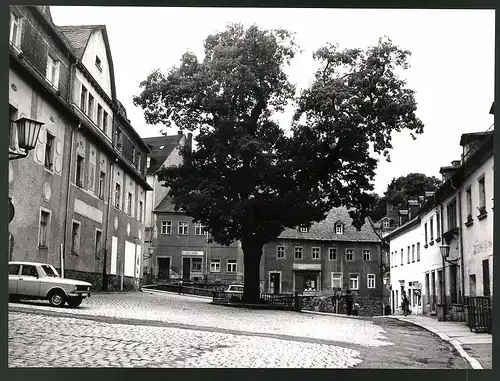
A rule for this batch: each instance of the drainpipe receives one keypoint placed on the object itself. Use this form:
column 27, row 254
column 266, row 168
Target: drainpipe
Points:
column 108, row 214
column 68, row 192
column 462, row 261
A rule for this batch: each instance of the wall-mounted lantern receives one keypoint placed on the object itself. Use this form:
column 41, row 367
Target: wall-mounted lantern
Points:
column 27, row 135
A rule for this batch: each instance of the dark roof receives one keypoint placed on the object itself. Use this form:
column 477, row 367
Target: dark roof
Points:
column 166, row 206
column 78, row 36
column 325, row 230
column 158, row 156
column 473, row 136
column 492, row 109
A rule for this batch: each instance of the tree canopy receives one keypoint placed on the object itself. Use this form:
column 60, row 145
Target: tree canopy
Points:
column 247, row 179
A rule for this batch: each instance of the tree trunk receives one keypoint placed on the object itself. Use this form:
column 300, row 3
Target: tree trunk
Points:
column 252, row 253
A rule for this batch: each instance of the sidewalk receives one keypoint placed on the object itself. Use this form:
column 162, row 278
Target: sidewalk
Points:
column 476, row 348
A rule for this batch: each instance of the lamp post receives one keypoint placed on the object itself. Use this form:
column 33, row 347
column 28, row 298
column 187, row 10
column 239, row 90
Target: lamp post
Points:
column 151, row 251
column 445, row 253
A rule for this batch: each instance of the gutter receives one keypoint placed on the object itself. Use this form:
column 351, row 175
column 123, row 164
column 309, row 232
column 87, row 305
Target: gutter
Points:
column 68, row 192
column 105, row 259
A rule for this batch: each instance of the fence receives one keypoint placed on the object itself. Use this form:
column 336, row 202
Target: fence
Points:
column 182, row 289
column 478, row 314
column 284, row 301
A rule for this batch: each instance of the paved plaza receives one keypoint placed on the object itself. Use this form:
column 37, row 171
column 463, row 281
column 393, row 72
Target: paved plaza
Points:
column 142, row 329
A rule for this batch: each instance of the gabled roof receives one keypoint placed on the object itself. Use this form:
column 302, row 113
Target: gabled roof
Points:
column 79, row 35
column 166, row 206
column 161, row 148
column 325, row 230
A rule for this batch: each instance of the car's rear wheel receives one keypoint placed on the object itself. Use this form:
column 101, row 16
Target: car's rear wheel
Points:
column 75, row 301
column 14, row 299
column 57, row 298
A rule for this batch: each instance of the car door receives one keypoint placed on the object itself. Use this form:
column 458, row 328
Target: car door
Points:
column 29, row 281
column 13, row 278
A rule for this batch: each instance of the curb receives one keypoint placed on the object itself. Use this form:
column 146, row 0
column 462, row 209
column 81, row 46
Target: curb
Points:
column 146, row 290
column 335, row 315
column 443, row 336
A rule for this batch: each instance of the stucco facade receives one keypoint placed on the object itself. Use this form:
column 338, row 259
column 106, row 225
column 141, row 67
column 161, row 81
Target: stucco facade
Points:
column 67, row 216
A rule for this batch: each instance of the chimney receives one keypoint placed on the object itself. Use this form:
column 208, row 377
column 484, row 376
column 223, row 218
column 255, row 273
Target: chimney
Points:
column 179, row 132
column 190, row 140
column 404, row 215
column 455, row 163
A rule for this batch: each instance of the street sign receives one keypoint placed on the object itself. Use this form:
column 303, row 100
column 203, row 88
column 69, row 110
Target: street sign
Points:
column 11, row 210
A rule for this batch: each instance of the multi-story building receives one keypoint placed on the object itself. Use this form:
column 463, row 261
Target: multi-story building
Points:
column 83, row 210
column 330, row 254
column 453, row 234
column 165, row 152
column 182, row 251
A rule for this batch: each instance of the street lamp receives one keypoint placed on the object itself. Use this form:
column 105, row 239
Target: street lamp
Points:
column 445, row 253
column 27, row 135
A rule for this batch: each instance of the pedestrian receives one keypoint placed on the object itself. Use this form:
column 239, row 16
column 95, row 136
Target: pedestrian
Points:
column 349, row 300
column 405, row 303
column 180, row 286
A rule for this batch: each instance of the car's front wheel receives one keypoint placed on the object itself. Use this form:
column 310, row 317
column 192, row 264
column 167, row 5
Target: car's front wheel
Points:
column 57, row 298
column 74, row 302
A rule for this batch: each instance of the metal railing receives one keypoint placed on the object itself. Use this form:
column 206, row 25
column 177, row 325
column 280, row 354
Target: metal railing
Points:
column 478, row 312
column 287, row 301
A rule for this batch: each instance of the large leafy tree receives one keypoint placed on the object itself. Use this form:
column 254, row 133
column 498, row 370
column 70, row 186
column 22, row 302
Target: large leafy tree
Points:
column 247, row 180
column 403, row 188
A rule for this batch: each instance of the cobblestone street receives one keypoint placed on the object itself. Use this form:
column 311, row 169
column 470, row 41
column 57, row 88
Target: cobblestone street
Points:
column 167, row 330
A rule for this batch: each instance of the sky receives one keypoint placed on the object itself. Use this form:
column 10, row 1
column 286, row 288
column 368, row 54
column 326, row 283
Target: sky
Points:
column 452, row 62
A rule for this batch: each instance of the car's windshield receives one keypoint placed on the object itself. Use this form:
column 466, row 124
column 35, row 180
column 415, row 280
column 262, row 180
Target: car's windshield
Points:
column 237, row 288
column 49, row 271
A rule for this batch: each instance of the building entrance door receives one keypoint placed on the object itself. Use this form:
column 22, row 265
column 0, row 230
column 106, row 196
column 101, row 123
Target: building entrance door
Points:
column 164, row 268
column 433, row 289
column 275, row 283
column 453, row 284
column 186, row 268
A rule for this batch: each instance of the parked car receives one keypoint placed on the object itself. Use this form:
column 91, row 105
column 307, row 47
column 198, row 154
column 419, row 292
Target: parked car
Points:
column 31, row 280
column 234, row 292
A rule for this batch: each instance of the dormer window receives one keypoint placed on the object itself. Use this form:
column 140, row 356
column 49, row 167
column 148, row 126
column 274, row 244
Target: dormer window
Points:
column 339, row 228
column 303, row 230
column 98, row 63
column 386, row 224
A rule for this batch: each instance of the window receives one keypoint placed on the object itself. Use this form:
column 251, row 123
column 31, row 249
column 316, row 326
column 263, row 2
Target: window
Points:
column 15, row 30
column 451, row 211
column 99, row 115
column 231, row 265
column 118, row 194
column 315, row 253
column 98, row 235
column 14, row 269
column 371, row 281
column 280, row 252
column 332, row 253
column 431, row 228
column 140, row 211
column 349, row 255
column 52, row 74
column 182, row 228
column 90, row 109
column 402, row 260
column 139, row 156
column 468, row 200
column 438, row 225
column 13, row 127
column 482, row 193
column 75, row 238
column 134, row 155
column 366, row 255
column 408, row 255
column 83, row 99
column 29, row 270
column 102, row 184
column 336, row 280
column 303, row 230
column 354, row 281
column 425, row 233
column 49, row 151
column 43, row 229
column 105, row 122
column 91, row 176
column 298, row 253
column 79, row 171
column 119, row 138
column 129, row 204
column 166, row 227
column 339, row 229
column 386, row 224
column 418, row 251
column 196, row 264
column 199, row 229
column 98, row 63
column 413, row 253
column 214, row 265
